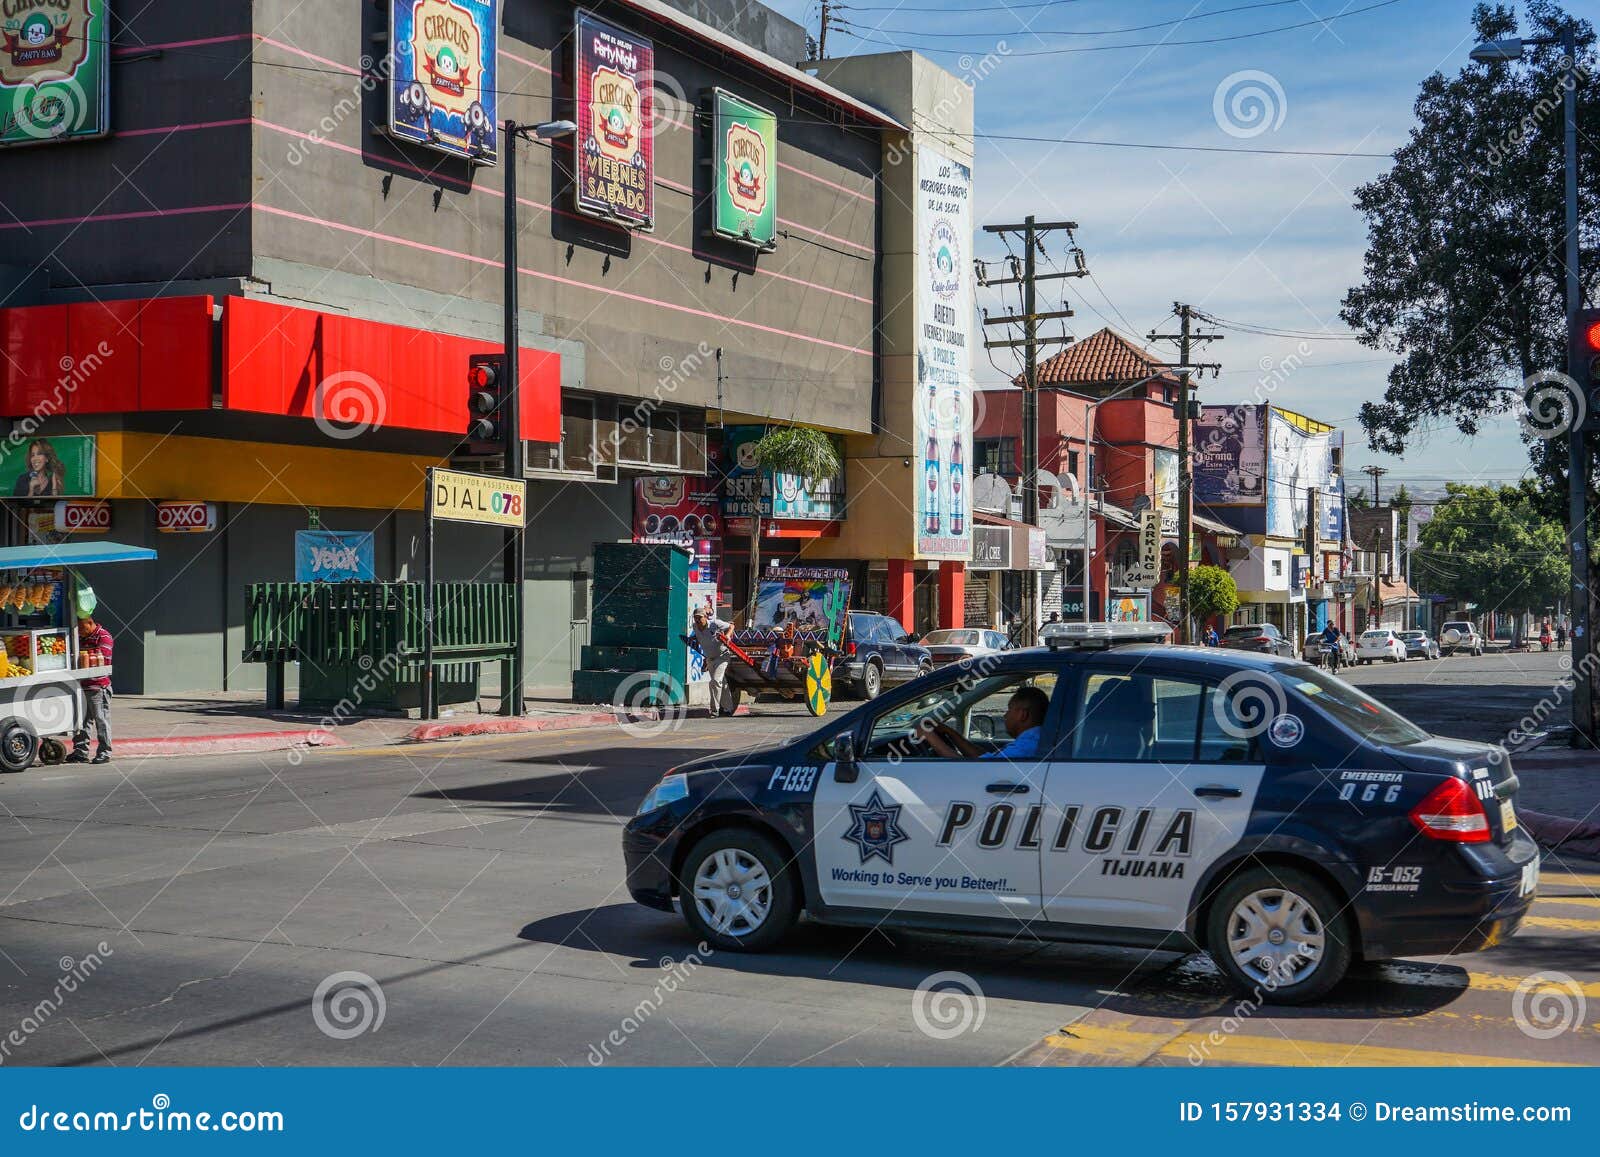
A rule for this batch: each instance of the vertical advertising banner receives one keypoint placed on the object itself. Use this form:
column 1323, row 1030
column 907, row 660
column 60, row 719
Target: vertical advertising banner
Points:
column 54, row 70
column 682, row 510
column 1298, row 461
column 745, row 170
column 943, row 428
column 615, row 155
column 443, row 75
column 1230, row 456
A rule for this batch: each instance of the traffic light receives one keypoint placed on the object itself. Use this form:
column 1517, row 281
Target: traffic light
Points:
column 1583, row 361
column 486, row 395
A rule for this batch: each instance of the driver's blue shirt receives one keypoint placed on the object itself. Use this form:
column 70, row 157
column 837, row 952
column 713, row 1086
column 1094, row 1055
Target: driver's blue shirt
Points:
column 1024, row 746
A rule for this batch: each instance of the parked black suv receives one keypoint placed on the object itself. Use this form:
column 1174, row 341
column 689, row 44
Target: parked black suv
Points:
column 878, row 653
column 1260, row 637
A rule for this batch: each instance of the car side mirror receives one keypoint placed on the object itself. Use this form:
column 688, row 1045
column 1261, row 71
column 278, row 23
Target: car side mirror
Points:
column 845, row 769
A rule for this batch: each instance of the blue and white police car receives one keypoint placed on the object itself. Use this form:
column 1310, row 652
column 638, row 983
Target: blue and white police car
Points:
column 1109, row 792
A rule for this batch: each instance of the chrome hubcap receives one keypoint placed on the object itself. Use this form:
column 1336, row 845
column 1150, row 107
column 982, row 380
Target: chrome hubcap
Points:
column 1276, row 937
column 732, row 892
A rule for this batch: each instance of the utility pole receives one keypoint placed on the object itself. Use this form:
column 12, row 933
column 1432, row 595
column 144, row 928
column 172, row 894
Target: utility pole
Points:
column 1029, row 277
column 1184, row 409
column 1376, row 472
column 822, row 36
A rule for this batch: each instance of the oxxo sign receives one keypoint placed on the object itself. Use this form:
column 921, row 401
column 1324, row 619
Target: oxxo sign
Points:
column 185, row 517
column 83, row 517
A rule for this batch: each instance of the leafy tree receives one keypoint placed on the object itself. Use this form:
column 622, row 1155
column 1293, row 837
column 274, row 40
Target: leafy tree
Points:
column 1212, row 592
column 1357, row 500
column 1494, row 547
column 1463, row 277
column 798, row 450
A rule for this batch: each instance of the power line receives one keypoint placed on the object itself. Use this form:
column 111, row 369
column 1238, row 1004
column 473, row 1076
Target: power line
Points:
column 1031, row 31
column 1320, row 21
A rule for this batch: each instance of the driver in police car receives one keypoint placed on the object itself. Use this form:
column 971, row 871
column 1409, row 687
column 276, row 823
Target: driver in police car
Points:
column 1024, row 723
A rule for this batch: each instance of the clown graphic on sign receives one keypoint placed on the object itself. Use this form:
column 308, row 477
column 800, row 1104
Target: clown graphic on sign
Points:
column 53, row 37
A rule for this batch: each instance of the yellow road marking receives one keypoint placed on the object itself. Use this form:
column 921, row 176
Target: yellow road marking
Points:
column 1125, row 1046
column 1563, row 923
column 1577, row 901
column 1494, row 982
column 1548, row 875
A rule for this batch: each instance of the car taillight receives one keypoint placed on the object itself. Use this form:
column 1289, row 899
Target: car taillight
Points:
column 1264, row 639
column 849, row 648
column 1452, row 811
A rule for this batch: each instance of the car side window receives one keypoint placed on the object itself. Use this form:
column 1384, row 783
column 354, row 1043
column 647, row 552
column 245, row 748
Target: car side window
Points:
column 1139, row 718
column 976, row 711
column 1226, row 734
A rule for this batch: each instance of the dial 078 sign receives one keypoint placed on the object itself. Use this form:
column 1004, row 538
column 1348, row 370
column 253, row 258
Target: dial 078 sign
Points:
column 459, row 497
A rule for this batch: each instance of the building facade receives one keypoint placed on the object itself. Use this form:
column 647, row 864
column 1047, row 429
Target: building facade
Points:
column 257, row 295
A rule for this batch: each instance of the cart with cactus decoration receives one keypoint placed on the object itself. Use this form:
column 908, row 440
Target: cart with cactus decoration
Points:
column 41, row 670
column 789, row 646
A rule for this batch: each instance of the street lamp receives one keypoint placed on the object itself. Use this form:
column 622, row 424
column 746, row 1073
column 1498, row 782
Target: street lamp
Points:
column 1499, row 51
column 512, row 558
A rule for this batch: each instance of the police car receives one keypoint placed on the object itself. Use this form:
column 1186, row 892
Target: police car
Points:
column 1105, row 791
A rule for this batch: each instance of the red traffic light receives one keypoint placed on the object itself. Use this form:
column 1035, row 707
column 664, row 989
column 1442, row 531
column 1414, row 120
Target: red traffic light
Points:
column 1591, row 335
column 483, row 376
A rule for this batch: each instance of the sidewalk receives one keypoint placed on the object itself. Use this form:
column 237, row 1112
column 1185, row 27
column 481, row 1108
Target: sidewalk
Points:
column 219, row 722
column 1558, row 796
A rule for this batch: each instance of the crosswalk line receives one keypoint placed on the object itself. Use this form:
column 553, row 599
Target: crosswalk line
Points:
column 1102, row 1044
column 1555, row 876
column 1561, row 923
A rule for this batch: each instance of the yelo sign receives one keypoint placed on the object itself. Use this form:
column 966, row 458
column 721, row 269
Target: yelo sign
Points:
column 461, row 497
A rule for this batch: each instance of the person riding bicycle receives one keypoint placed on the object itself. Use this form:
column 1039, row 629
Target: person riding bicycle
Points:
column 1330, row 643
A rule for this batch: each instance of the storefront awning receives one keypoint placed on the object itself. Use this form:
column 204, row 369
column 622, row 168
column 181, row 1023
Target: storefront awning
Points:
column 71, row 554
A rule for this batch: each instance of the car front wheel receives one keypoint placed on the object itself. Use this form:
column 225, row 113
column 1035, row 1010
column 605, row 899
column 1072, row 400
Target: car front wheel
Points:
column 1279, row 935
column 738, row 890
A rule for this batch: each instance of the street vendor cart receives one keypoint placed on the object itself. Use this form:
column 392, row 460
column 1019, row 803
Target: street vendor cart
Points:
column 789, row 646
column 41, row 671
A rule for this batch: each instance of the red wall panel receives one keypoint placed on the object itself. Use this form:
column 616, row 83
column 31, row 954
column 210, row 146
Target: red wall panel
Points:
column 33, row 340
column 103, row 343
column 252, row 356
column 540, row 371
column 175, row 359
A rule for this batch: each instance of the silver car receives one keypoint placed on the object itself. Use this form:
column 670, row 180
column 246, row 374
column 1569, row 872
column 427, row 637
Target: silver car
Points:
column 951, row 646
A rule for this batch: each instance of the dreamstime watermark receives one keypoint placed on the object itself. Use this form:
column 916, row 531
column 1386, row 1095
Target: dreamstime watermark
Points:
column 650, row 703
column 1553, row 404
column 373, row 74
column 1533, row 721
column 347, row 1004
column 49, row 105
column 1275, row 374
column 973, row 672
column 1246, row 1007
column 348, row 404
column 947, row 1005
column 73, row 974
column 74, row 373
column 661, row 84
column 1246, row 704
column 1546, row 107
column 674, row 372
column 674, row 974
column 375, row 673
column 973, row 70
column 1248, row 103
column 1547, row 1004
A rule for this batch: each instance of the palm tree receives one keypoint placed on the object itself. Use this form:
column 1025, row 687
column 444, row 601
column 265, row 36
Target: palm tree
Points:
column 809, row 454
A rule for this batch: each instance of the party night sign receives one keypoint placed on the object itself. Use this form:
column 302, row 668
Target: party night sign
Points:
column 745, row 161
column 442, row 57
column 53, row 70
column 616, row 123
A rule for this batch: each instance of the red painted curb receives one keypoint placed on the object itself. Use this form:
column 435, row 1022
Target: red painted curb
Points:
column 223, row 744
column 427, row 732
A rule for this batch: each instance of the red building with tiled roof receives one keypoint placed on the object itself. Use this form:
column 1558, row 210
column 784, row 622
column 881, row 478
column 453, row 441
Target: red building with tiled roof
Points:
column 1133, row 451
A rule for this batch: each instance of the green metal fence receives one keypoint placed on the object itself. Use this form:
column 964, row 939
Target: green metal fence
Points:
column 328, row 623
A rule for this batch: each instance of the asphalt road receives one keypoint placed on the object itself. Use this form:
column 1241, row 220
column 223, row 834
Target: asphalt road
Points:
column 479, row 885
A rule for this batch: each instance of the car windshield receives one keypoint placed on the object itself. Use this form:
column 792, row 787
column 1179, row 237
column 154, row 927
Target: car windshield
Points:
column 1350, row 706
column 952, row 639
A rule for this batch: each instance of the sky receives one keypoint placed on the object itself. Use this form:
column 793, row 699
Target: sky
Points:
column 1271, row 241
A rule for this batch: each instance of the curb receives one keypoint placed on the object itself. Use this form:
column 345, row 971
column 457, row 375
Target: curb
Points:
column 226, row 744
column 430, row 732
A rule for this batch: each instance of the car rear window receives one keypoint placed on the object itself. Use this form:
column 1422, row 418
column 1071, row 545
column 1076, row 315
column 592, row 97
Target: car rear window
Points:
column 1375, row 635
column 952, row 639
column 1245, row 631
column 1350, row 706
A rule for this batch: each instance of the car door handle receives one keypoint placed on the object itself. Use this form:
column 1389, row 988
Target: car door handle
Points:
column 1009, row 789
column 1217, row 791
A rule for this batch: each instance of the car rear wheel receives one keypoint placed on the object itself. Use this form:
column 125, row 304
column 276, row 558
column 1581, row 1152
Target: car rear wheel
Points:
column 871, row 679
column 738, row 891
column 1278, row 935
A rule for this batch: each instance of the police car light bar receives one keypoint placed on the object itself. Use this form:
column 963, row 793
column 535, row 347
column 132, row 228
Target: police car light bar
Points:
column 1097, row 636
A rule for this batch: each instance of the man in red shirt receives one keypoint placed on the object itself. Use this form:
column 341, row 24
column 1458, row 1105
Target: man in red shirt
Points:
column 94, row 639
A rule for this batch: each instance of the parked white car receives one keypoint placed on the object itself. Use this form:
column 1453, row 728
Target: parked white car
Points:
column 1380, row 643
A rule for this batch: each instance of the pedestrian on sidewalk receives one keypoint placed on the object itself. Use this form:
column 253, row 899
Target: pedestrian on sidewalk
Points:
column 708, row 633
column 94, row 639
column 1561, row 636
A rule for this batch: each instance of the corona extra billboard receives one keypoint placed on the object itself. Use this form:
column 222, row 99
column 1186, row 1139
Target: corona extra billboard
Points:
column 442, row 76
